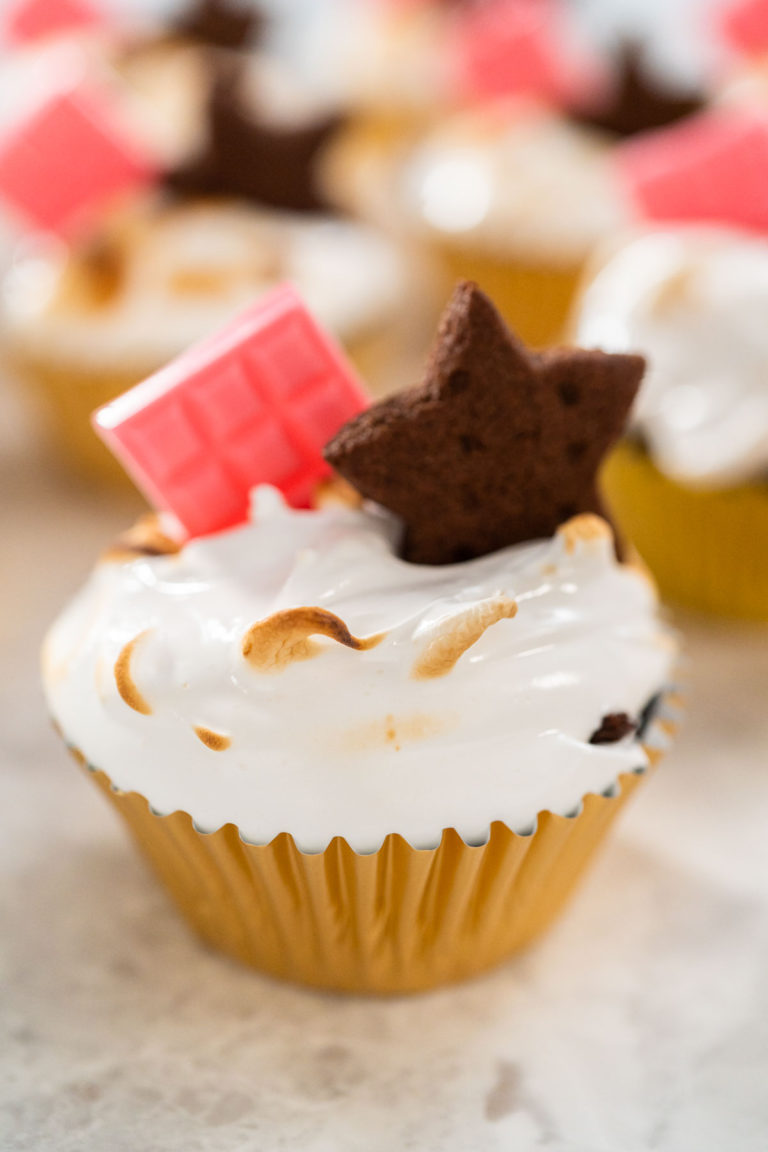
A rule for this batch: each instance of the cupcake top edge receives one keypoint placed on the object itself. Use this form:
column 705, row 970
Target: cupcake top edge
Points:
column 341, row 690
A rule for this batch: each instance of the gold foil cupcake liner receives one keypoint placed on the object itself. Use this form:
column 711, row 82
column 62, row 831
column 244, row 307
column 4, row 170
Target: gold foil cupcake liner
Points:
column 535, row 299
column 396, row 920
column 707, row 550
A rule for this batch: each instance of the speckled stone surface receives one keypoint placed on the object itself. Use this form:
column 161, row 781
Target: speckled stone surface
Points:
column 639, row 1024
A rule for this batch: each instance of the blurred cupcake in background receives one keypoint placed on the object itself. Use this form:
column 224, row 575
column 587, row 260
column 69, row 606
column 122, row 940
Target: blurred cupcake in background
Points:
column 690, row 484
column 83, row 325
column 232, row 210
column 516, row 191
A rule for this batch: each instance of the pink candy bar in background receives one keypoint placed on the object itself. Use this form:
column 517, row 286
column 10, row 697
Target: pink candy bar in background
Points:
column 712, row 167
column 744, row 26
column 512, row 48
column 68, row 158
column 254, row 404
column 25, row 21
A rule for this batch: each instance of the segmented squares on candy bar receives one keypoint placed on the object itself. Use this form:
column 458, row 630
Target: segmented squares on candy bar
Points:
column 253, row 404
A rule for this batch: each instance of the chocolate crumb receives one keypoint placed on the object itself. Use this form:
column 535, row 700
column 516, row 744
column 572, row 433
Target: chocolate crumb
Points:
column 613, row 727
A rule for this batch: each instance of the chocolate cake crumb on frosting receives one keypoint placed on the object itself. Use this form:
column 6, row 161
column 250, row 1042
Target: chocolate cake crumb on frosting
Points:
column 499, row 445
column 613, row 727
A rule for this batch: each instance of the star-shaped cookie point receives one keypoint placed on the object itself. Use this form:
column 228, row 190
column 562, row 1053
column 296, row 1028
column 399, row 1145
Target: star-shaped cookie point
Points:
column 253, row 160
column 638, row 100
column 221, row 23
column 499, row 445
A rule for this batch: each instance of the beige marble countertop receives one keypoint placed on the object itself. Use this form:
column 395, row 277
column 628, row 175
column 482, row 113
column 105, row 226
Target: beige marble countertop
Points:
column 640, row 1023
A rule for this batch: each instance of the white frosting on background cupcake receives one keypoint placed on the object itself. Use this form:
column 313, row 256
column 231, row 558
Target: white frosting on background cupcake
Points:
column 184, row 270
column 694, row 301
column 514, row 181
column 470, row 697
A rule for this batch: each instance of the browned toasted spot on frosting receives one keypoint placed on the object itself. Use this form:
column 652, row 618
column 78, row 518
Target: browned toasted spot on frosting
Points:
column 95, row 276
column 216, row 741
column 394, row 731
column 124, row 679
column 336, row 493
column 581, row 529
column 459, row 634
column 145, row 538
column 284, row 637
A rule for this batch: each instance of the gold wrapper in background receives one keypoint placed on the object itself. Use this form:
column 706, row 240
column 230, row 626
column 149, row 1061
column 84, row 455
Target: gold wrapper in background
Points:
column 534, row 299
column 396, row 920
column 707, row 550
column 361, row 171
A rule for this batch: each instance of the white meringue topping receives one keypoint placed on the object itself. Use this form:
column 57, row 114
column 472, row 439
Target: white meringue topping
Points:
column 409, row 699
column 694, row 301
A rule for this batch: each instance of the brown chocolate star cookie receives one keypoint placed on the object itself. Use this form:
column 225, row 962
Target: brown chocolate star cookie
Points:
column 497, row 446
column 638, row 100
column 221, row 23
column 271, row 165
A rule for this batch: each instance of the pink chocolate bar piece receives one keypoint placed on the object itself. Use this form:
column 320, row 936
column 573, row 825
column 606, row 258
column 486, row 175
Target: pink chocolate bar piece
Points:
column 712, row 167
column 744, row 26
column 510, row 48
column 29, row 20
column 254, row 404
column 67, row 159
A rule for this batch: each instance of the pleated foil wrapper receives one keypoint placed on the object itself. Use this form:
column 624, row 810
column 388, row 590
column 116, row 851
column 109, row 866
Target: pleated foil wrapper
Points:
column 400, row 919
column 708, row 550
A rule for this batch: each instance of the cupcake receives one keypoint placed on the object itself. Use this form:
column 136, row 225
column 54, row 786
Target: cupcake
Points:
column 371, row 746
column 690, row 482
column 511, row 195
column 515, row 194
column 238, row 212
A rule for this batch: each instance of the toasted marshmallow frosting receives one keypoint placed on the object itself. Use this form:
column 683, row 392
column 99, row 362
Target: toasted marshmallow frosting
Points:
column 694, row 301
column 515, row 180
column 161, row 277
column 293, row 675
